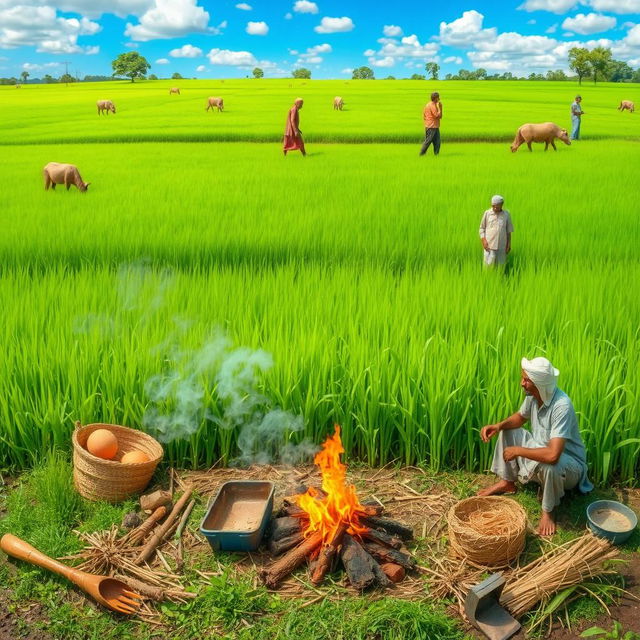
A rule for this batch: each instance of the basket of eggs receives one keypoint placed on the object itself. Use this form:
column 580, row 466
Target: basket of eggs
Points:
column 111, row 462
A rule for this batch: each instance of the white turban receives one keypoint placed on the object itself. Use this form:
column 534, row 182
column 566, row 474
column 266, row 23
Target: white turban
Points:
column 543, row 374
column 497, row 200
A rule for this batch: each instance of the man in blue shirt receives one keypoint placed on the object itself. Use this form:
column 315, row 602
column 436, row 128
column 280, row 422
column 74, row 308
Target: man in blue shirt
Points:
column 552, row 453
column 576, row 118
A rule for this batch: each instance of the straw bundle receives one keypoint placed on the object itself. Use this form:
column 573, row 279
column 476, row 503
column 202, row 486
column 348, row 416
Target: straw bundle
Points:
column 564, row 566
column 110, row 480
column 487, row 531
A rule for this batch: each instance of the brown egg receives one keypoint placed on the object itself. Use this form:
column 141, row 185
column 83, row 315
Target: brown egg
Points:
column 103, row 444
column 134, row 457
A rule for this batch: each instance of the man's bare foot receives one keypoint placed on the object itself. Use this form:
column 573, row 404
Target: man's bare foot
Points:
column 500, row 487
column 547, row 526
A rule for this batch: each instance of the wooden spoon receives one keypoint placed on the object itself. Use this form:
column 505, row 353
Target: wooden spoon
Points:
column 111, row 593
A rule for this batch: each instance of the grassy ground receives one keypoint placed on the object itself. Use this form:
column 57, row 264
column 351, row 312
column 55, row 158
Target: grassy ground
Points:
column 358, row 268
column 381, row 111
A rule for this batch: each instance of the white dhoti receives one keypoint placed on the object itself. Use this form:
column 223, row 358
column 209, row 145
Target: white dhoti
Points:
column 492, row 257
column 554, row 478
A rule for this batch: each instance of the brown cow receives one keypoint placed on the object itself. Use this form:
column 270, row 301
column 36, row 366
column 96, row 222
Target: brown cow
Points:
column 338, row 103
column 627, row 104
column 215, row 103
column 106, row 105
column 545, row 132
column 174, row 90
column 59, row 173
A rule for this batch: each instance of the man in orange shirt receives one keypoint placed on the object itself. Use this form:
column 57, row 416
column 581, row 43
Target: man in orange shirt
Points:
column 432, row 115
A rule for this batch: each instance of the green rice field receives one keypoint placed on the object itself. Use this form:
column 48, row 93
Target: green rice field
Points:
column 358, row 268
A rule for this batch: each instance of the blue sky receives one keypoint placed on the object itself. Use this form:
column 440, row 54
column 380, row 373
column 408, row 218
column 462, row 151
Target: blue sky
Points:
column 225, row 38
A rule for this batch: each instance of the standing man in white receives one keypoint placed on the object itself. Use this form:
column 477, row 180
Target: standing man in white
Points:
column 495, row 233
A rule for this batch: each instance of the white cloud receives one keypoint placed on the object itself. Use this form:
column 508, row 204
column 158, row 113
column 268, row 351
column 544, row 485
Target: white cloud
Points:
column 311, row 55
column 586, row 24
column 87, row 8
column 186, row 51
column 162, row 61
column 24, row 25
column 170, row 19
column 334, row 25
column 387, row 61
column 552, row 29
column 47, row 66
column 554, row 6
column 257, row 28
column 616, row 6
column 232, row 58
column 243, row 6
column 288, row 16
column 201, row 68
column 303, row 6
column 347, row 70
column 453, row 60
column 392, row 31
column 408, row 47
column 131, row 45
column 532, row 21
column 466, row 30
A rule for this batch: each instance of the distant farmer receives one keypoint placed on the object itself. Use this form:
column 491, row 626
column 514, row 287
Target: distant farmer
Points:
column 292, row 134
column 432, row 115
column 551, row 454
column 576, row 117
column 495, row 233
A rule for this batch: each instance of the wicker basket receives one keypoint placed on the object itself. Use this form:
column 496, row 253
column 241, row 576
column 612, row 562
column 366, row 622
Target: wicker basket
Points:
column 111, row 480
column 487, row 531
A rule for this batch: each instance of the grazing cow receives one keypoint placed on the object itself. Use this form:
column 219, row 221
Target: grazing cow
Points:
column 545, row 132
column 174, row 90
column 106, row 105
column 59, row 173
column 215, row 103
column 18, row 86
column 338, row 103
column 627, row 104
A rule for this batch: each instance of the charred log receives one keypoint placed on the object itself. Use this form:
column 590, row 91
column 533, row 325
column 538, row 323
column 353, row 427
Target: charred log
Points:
column 284, row 527
column 385, row 554
column 356, row 563
column 327, row 554
column 392, row 527
column 277, row 547
column 281, row 568
column 381, row 537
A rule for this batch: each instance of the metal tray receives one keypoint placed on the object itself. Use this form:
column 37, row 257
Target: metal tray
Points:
column 238, row 515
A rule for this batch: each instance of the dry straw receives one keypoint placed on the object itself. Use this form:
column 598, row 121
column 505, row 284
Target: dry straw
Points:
column 111, row 480
column 487, row 531
column 564, row 566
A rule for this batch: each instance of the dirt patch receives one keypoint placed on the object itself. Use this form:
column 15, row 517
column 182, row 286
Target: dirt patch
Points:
column 19, row 623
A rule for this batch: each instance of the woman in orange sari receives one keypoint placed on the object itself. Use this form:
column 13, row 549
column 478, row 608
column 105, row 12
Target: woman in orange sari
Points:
column 292, row 134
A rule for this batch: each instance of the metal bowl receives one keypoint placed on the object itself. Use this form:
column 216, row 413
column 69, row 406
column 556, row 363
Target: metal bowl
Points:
column 611, row 520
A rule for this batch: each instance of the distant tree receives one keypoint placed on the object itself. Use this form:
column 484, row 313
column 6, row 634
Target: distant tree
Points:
column 432, row 68
column 556, row 75
column 153, row 76
column 131, row 65
column 636, row 76
column 448, row 76
column 417, row 76
column 24, row 75
column 507, row 75
column 620, row 71
column 390, row 78
column 176, row 76
column 66, row 78
column 259, row 73
column 301, row 73
column 600, row 59
column 49, row 79
column 363, row 73
column 579, row 62
column 479, row 74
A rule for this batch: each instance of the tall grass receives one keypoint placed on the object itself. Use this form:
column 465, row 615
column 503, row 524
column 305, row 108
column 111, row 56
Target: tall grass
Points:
column 380, row 111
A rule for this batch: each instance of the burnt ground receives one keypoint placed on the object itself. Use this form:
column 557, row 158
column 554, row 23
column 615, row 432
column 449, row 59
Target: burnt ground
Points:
column 415, row 496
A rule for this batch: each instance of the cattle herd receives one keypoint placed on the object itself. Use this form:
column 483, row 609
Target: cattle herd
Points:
column 59, row 173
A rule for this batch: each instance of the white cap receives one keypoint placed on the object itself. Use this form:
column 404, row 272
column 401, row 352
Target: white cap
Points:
column 497, row 200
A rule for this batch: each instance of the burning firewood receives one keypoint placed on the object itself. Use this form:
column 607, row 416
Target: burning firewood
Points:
column 392, row 527
column 273, row 575
column 327, row 553
column 390, row 555
column 276, row 547
column 284, row 527
column 381, row 537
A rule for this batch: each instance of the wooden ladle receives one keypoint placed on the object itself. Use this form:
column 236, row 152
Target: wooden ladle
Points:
column 109, row 592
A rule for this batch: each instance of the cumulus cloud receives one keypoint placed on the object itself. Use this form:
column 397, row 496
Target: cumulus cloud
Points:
column 243, row 6
column 387, row 61
column 586, row 24
column 232, row 58
column 392, row 31
column 201, row 68
column 186, row 51
column 554, row 6
column 466, row 30
column 347, row 70
column 304, row 6
column 311, row 55
column 616, row 6
column 87, row 8
column 453, row 60
column 47, row 66
column 162, row 61
column 170, row 19
column 334, row 25
column 552, row 29
column 257, row 28
column 22, row 26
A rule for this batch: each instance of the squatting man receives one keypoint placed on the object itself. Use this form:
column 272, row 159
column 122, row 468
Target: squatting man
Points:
column 552, row 453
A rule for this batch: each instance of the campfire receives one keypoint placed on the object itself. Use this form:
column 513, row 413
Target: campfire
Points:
column 329, row 526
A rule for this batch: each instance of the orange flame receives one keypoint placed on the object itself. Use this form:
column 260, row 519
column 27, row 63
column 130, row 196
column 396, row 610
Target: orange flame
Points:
column 340, row 503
